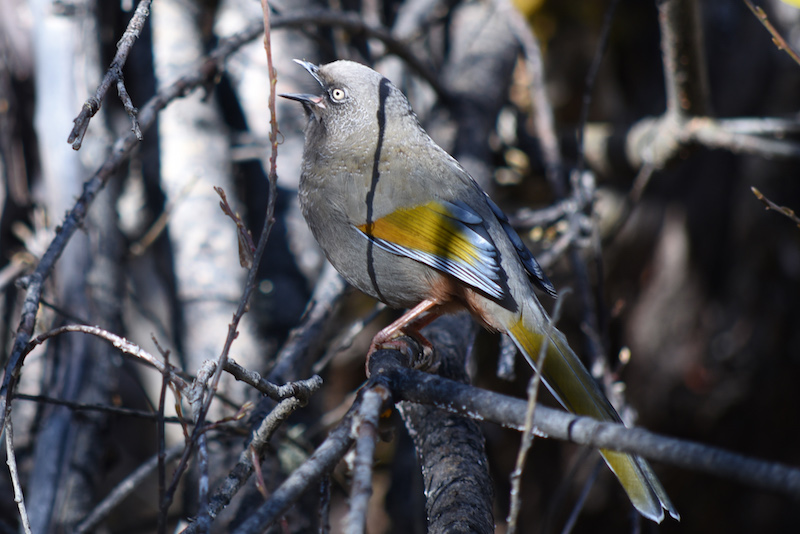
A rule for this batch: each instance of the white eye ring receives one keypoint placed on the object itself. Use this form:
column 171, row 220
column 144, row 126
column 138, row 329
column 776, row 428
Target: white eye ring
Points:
column 338, row 94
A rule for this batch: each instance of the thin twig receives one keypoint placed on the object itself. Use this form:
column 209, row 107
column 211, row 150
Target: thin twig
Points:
column 543, row 117
column 564, row 487
column 714, row 133
column 783, row 210
column 366, row 431
column 117, row 495
column 120, row 343
column 245, row 238
column 11, row 461
column 252, row 275
column 591, row 76
column 528, row 433
column 91, row 407
column 579, row 503
column 301, row 389
column 161, row 438
column 545, row 216
column 777, row 38
column 242, row 471
column 121, row 150
column 114, row 74
column 250, row 284
column 320, row 464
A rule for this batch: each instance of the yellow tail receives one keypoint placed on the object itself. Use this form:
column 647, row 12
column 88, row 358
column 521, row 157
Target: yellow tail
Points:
column 577, row 391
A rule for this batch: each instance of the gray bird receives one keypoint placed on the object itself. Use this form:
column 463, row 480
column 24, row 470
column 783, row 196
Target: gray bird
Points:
column 402, row 221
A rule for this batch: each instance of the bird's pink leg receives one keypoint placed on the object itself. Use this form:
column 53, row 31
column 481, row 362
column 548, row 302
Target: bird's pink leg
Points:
column 408, row 324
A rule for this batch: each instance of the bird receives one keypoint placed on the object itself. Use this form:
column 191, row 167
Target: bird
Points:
column 404, row 222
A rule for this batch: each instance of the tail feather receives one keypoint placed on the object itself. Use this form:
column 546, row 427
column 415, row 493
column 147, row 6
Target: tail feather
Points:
column 573, row 386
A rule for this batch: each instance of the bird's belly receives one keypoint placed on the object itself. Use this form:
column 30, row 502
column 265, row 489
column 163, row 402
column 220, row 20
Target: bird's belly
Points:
column 395, row 280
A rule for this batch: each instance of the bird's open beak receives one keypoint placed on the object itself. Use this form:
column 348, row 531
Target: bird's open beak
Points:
column 311, row 68
column 307, row 100
column 310, row 102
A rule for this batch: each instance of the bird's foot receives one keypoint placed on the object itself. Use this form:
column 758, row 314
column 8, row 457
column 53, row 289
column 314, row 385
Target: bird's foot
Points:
column 422, row 360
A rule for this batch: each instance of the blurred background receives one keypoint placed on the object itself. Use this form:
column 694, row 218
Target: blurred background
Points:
column 684, row 286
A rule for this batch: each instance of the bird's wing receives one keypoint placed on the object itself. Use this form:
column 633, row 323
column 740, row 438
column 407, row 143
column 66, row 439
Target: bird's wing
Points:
column 447, row 236
column 453, row 238
column 535, row 272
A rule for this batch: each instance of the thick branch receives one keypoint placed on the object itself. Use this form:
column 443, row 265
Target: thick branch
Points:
column 423, row 388
column 683, row 55
column 450, row 448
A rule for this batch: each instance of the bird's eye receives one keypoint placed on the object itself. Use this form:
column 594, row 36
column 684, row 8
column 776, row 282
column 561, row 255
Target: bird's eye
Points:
column 338, row 94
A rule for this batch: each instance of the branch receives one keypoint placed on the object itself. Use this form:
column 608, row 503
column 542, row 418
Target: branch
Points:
column 783, row 210
column 685, row 73
column 91, row 407
column 114, row 74
column 658, row 141
column 123, row 489
column 120, row 343
column 777, row 38
column 416, row 386
column 353, row 22
column 450, row 449
column 245, row 467
column 365, row 427
column 301, row 389
column 304, row 477
column 11, row 461
column 306, row 340
column 530, row 412
column 120, row 152
column 203, row 519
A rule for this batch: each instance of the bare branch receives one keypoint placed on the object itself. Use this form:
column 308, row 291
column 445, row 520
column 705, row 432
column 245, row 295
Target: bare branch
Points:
column 161, row 456
column 11, row 460
column 365, row 425
column 74, row 219
column 114, row 74
column 305, row 342
column 483, row 405
column 91, row 407
column 245, row 467
column 125, row 346
column 683, row 54
column 301, row 389
column 777, row 38
column 450, row 449
column 117, row 495
column 307, row 475
column 723, row 134
column 783, row 210
column 527, row 432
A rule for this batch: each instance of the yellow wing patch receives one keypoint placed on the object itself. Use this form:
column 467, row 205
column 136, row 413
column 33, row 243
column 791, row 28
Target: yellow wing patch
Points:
column 427, row 229
column 444, row 236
